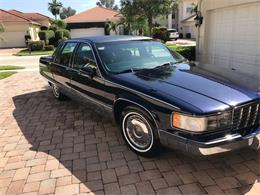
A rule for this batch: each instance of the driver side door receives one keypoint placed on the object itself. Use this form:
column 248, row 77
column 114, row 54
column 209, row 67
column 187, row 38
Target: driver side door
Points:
column 87, row 84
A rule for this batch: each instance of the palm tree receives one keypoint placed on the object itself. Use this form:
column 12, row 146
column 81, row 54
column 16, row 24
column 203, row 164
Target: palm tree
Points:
column 112, row 26
column 54, row 7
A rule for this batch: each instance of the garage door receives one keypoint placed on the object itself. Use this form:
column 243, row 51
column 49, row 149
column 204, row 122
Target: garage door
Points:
column 233, row 39
column 13, row 39
column 76, row 33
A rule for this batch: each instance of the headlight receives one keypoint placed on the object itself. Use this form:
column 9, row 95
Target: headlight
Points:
column 200, row 124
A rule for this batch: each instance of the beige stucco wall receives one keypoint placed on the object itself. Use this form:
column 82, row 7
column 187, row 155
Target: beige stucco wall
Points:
column 249, row 77
column 15, row 32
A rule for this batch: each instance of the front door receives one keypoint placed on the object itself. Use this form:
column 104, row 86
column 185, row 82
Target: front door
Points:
column 89, row 86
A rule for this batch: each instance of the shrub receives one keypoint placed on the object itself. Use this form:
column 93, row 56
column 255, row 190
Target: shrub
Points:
column 61, row 33
column 160, row 33
column 46, row 35
column 27, row 37
column 188, row 35
column 35, row 45
column 49, row 47
column 189, row 52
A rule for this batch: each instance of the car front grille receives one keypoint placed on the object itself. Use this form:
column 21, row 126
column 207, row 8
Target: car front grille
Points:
column 246, row 117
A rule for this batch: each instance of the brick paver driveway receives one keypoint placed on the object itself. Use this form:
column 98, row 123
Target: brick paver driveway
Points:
column 49, row 147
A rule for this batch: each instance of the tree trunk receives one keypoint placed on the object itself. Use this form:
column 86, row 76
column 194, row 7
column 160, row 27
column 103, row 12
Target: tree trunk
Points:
column 150, row 25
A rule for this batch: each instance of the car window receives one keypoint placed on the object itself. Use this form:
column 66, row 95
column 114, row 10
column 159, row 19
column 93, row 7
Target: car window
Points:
column 65, row 54
column 84, row 57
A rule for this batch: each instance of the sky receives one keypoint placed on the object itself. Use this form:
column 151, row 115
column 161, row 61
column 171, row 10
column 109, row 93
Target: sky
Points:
column 41, row 6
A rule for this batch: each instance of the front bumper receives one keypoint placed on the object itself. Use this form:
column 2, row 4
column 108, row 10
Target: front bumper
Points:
column 223, row 144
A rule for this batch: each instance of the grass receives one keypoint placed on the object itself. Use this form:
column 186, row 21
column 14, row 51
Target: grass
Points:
column 4, row 75
column 25, row 52
column 10, row 67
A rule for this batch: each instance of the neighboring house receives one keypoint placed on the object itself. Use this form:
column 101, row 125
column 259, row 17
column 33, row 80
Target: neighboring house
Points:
column 186, row 22
column 182, row 20
column 91, row 22
column 34, row 16
column 18, row 24
column 229, row 40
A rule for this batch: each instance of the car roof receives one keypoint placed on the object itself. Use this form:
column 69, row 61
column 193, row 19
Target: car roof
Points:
column 109, row 38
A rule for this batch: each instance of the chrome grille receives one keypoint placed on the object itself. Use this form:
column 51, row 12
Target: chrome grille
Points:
column 246, row 116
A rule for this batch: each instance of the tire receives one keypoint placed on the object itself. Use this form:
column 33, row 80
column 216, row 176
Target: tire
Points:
column 57, row 93
column 142, row 136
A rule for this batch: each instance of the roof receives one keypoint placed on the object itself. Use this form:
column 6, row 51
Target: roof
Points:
column 189, row 19
column 33, row 16
column 6, row 16
column 96, row 14
column 114, row 38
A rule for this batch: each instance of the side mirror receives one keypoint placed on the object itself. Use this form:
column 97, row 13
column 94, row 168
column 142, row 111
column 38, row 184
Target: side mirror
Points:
column 88, row 70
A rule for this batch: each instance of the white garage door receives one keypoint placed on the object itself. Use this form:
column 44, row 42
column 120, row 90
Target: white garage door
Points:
column 13, row 39
column 76, row 33
column 233, row 39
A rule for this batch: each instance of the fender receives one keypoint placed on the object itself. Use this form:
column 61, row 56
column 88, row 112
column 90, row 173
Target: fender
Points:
column 139, row 103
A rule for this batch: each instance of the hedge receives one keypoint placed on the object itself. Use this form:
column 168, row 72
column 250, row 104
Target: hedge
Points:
column 188, row 52
column 46, row 35
column 160, row 33
column 62, row 33
column 35, row 45
column 48, row 47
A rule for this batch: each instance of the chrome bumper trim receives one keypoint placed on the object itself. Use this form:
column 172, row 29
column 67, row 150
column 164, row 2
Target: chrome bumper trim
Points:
column 224, row 144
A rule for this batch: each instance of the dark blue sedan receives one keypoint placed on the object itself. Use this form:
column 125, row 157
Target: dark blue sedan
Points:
column 154, row 95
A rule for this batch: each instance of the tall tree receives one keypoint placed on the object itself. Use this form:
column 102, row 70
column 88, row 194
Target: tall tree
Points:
column 153, row 8
column 148, row 9
column 107, row 4
column 54, row 7
column 67, row 12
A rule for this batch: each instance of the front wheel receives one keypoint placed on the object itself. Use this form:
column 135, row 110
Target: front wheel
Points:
column 139, row 132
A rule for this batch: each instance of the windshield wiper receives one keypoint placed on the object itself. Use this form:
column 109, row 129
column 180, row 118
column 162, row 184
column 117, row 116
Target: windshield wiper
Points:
column 130, row 70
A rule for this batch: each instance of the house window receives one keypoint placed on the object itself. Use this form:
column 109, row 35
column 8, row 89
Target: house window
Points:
column 189, row 9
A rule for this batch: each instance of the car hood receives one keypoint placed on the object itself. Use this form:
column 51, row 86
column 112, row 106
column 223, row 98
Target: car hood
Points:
column 188, row 87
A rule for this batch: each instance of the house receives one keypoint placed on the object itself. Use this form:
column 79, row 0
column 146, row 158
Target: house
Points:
column 228, row 40
column 18, row 24
column 182, row 19
column 34, row 16
column 91, row 22
column 186, row 22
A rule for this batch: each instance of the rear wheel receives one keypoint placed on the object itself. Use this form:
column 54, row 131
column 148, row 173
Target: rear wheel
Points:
column 57, row 93
column 139, row 131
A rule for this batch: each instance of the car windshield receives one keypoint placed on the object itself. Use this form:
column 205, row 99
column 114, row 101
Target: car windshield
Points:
column 119, row 57
column 172, row 31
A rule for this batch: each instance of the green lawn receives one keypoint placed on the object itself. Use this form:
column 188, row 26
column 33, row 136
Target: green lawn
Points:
column 10, row 67
column 6, row 74
column 25, row 52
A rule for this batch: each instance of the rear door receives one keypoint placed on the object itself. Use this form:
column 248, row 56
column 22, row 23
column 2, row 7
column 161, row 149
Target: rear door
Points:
column 90, row 87
column 61, row 64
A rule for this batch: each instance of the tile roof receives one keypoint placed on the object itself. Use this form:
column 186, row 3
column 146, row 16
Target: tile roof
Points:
column 17, row 16
column 96, row 14
column 37, row 17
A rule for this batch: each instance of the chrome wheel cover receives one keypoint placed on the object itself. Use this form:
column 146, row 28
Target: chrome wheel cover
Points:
column 137, row 132
column 56, row 90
